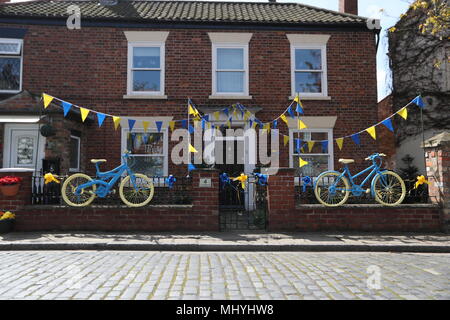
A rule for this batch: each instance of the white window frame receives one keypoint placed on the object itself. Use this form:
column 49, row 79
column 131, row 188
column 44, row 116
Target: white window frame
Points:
column 324, row 78
column 165, row 153
column 162, row 67
column 79, row 154
column 330, row 153
column 244, row 47
column 19, row 55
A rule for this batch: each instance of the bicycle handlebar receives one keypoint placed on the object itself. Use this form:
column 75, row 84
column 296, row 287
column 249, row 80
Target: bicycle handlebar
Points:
column 375, row 155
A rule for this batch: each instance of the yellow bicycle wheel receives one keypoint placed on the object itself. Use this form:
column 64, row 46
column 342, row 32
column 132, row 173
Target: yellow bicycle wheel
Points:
column 69, row 187
column 325, row 193
column 391, row 190
column 136, row 197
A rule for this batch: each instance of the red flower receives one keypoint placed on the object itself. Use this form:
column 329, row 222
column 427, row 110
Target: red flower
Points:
column 9, row 180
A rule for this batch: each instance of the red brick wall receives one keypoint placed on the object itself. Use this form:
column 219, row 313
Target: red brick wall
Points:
column 88, row 67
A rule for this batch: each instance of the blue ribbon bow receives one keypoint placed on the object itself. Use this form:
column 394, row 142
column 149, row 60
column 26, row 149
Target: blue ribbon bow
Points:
column 306, row 181
column 170, row 180
column 262, row 179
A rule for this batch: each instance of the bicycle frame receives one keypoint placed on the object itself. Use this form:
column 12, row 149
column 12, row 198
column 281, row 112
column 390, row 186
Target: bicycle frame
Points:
column 356, row 189
column 106, row 186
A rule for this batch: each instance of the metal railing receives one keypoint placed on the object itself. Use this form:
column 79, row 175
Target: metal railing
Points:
column 179, row 193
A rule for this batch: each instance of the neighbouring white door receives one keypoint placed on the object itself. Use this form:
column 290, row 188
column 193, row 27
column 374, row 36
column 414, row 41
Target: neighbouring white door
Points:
column 23, row 147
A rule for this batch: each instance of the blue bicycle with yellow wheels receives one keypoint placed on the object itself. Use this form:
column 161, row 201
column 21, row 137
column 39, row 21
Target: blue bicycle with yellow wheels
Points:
column 333, row 188
column 135, row 189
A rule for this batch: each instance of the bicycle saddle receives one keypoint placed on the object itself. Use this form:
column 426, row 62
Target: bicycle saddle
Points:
column 346, row 161
column 98, row 160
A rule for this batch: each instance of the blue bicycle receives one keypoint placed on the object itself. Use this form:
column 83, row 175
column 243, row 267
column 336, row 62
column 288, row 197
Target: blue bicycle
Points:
column 332, row 188
column 135, row 190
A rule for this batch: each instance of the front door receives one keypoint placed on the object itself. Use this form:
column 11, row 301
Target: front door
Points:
column 23, row 147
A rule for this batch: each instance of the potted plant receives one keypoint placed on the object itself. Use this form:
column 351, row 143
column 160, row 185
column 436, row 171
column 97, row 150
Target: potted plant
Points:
column 7, row 220
column 9, row 185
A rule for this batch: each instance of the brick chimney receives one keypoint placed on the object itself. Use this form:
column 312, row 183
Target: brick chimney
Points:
column 348, row 6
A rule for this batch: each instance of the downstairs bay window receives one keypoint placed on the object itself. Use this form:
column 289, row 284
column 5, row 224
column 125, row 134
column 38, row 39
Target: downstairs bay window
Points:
column 148, row 151
column 310, row 146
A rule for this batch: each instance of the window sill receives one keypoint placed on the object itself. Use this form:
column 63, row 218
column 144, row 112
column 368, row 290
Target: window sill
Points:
column 230, row 97
column 145, row 96
column 311, row 98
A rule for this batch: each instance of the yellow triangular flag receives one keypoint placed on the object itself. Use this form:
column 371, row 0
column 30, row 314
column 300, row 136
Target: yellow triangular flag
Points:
column 373, row 133
column 116, row 122
column 229, row 124
column 145, row 124
column 403, row 113
column 310, row 145
column 84, row 113
column 192, row 149
column 340, row 142
column 208, row 125
column 192, row 110
column 302, row 162
column 235, row 113
column 247, row 115
column 47, row 99
column 301, row 124
column 266, row 127
column 297, row 99
column 285, row 140
column 283, row 117
column 172, row 125
column 217, row 115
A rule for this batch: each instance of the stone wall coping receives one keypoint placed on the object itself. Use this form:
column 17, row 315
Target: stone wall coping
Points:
column 156, row 206
column 402, row 206
column 16, row 170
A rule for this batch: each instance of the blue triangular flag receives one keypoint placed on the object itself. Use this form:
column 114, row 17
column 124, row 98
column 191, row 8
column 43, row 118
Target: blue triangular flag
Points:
column 158, row 125
column 291, row 113
column 275, row 124
column 66, row 106
column 131, row 123
column 203, row 124
column 299, row 109
column 388, row 124
column 184, row 123
column 226, row 111
column 145, row 138
column 418, row 101
column 206, row 117
column 231, row 120
column 250, row 123
column 191, row 129
column 100, row 118
column 324, row 146
column 191, row 167
column 355, row 138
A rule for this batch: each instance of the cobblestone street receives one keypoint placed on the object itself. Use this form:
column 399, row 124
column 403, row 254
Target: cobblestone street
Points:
column 208, row 275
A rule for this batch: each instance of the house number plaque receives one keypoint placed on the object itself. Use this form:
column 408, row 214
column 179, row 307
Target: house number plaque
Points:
column 205, row 183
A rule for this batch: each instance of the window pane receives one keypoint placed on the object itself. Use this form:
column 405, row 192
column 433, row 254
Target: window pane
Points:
column 316, row 165
column 309, row 82
column 150, row 166
column 145, row 143
column 9, row 73
column 230, row 81
column 10, row 48
column 317, row 147
column 147, row 81
column 308, row 59
column 25, row 150
column 146, row 57
column 230, row 59
column 74, row 146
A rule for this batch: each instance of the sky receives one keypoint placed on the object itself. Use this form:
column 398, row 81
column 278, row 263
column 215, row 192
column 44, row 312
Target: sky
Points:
column 388, row 11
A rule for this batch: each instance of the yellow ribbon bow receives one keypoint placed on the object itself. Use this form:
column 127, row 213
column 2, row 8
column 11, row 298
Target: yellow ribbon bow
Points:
column 48, row 177
column 242, row 178
column 420, row 180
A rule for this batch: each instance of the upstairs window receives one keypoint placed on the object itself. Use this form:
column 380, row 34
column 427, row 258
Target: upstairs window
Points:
column 146, row 68
column 231, row 70
column 11, row 65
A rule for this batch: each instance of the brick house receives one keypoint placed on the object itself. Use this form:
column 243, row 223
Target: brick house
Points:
column 143, row 59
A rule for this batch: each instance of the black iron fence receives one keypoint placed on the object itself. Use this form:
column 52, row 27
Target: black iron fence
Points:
column 304, row 194
column 243, row 209
column 165, row 193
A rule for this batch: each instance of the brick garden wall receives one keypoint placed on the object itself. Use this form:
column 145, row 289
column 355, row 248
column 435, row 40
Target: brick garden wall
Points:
column 88, row 67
